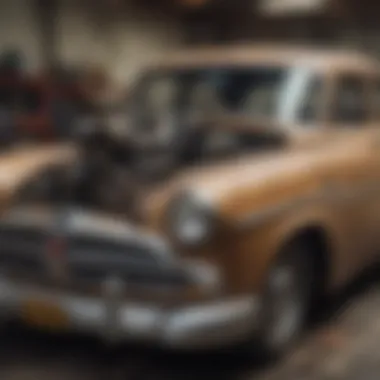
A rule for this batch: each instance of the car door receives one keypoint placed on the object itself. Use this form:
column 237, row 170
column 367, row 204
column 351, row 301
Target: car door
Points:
column 353, row 178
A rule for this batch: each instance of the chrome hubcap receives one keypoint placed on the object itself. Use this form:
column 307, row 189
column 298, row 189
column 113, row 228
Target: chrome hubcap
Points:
column 286, row 303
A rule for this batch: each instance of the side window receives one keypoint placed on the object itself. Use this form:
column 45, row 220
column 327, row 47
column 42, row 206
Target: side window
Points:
column 350, row 102
column 311, row 103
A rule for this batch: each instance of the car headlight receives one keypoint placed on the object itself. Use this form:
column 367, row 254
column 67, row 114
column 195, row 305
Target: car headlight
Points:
column 192, row 221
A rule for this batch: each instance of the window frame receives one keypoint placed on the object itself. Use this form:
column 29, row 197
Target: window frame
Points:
column 320, row 80
column 365, row 78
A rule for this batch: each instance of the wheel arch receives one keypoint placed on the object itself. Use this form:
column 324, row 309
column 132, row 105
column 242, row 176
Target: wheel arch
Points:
column 317, row 241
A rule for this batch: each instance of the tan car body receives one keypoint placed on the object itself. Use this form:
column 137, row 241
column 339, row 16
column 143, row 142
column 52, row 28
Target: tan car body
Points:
column 266, row 200
column 323, row 185
column 21, row 164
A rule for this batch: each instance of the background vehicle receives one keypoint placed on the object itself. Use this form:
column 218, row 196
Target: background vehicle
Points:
column 44, row 106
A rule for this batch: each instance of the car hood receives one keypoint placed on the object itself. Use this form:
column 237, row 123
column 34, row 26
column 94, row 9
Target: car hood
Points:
column 22, row 163
column 260, row 179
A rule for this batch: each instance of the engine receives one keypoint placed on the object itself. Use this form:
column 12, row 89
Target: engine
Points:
column 111, row 173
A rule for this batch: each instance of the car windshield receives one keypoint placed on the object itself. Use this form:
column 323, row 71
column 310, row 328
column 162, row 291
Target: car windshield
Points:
column 258, row 92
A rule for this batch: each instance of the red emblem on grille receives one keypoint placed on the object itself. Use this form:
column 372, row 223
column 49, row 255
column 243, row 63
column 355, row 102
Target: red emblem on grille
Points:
column 56, row 247
column 55, row 253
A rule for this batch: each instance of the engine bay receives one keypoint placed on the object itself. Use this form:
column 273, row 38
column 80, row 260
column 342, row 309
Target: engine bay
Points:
column 111, row 173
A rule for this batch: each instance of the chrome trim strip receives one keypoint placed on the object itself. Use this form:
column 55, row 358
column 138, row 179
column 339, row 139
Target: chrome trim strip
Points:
column 87, row 223
column 213, row 324
column 292, row 93
column 193, row 326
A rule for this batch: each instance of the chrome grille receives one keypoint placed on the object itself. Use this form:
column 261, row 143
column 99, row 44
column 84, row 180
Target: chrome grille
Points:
column 88, row 259
column 94, row 260
column 22, row 250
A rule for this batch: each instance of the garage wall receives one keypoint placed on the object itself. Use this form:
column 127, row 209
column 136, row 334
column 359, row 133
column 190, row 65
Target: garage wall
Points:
column 120, row 41
column 18, row 29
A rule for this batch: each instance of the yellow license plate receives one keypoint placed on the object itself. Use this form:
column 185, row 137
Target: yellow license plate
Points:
column 45, row 315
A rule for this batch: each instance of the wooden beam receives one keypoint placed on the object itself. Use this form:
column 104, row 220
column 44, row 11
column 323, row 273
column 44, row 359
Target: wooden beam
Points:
column 47, row 15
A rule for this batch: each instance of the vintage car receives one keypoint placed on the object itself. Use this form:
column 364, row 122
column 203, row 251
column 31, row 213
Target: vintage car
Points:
column 249, row 189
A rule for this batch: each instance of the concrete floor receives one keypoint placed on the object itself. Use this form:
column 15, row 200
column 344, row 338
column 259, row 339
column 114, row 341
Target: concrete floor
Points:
column 343, row 344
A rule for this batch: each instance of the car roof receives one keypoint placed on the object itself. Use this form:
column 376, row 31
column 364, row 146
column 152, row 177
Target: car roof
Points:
column 320, row 59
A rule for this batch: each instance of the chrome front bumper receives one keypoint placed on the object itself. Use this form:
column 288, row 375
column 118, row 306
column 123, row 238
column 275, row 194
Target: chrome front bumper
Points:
column 205, row 325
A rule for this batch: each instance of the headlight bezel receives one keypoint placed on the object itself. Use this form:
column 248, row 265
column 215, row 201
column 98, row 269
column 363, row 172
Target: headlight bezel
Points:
column 195, row 209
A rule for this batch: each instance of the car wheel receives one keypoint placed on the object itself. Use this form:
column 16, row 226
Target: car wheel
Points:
column 285, row 301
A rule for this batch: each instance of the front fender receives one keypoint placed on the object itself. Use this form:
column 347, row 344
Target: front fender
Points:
column 259, row 244
column 22, row 164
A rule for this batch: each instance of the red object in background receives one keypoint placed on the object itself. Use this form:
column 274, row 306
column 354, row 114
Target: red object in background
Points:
column 34, row 117
column 32, row 102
